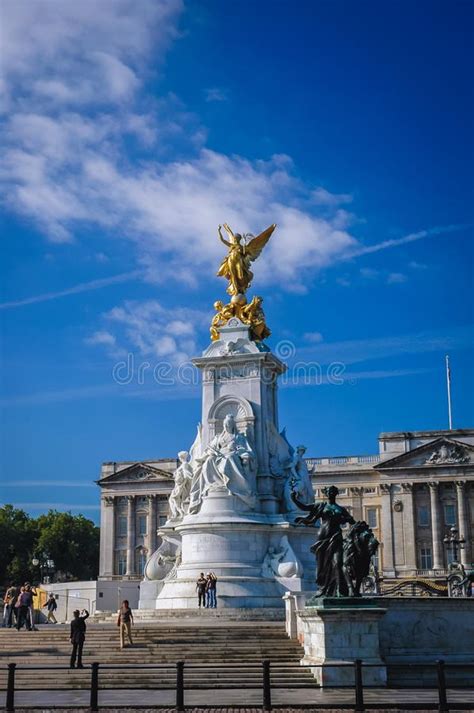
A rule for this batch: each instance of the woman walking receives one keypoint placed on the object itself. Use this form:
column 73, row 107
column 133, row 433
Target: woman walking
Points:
column 125, row 621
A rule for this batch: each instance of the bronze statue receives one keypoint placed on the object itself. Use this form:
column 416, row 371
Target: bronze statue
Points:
column 235, row 267
column 360, row 546
column 341, row 564
column 329, row 544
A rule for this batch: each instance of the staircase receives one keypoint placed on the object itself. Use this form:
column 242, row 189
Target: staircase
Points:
column 217, row 654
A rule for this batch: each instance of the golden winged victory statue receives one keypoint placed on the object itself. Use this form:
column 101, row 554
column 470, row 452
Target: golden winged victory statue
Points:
column 235, row 267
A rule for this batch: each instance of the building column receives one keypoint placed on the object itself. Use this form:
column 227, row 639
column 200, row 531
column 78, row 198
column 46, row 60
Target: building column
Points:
column 107, row 537
column 436, row 534
column 463, row 522
column 356, row 501
column 130, row 536
column 388, row 559
column 151, row 525
column 409, row 528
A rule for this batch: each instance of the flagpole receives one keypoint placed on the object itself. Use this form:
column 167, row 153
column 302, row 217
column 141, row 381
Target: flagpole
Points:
column 448, row 383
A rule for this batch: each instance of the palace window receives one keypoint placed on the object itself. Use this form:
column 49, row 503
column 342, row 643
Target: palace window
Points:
column 450, row 514
column 141, row 562
column 425, row 557
column 121, row 562
column 423, row 515
column 372, row 517
column 122, row 525
column 142, row 525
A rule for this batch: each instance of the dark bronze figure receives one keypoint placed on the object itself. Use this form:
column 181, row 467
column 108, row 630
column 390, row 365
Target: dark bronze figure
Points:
column 342, row 564
column 359, row 547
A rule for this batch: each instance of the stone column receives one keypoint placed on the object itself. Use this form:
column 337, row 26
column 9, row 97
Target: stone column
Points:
column 436, row 529
column 388, row 560
column 463, row 522
column 409, row 528
column 357, row 508
column 107, row 537
column 130, row 536
column 151, row 525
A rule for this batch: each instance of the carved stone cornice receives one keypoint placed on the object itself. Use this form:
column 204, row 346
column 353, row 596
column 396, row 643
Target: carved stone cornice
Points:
column 109, row 500
column 356, row 491
column 385, row 488
column 407, row 487
column 433, row 485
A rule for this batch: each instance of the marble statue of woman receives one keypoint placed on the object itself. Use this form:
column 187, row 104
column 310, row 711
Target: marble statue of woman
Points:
column 298, row 480
column 179, row 498
column 227, row 463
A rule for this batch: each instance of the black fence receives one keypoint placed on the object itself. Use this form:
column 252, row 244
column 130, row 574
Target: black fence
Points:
column 266, row 685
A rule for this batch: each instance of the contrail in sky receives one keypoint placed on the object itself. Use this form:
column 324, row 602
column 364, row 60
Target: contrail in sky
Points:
column 82, row 287
column 439, row 230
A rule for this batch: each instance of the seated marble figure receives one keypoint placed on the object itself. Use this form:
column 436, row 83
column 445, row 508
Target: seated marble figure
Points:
column 226, row 463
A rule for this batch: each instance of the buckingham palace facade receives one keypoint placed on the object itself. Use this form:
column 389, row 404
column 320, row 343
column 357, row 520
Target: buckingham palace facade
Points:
column 418, row 486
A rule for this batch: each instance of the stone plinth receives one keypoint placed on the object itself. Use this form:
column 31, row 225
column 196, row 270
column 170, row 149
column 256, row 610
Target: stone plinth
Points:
column 340, row 631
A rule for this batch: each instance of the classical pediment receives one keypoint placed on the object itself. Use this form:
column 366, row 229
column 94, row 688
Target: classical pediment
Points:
column 137, row 473
column 439, row 453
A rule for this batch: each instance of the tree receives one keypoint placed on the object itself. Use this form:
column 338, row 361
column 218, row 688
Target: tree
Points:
column 18, row 534
column 72, row 541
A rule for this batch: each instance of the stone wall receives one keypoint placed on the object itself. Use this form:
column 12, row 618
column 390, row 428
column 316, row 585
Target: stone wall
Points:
column 413, row 633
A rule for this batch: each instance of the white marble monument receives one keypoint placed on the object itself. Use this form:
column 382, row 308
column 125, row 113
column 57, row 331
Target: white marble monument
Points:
column 230, row 509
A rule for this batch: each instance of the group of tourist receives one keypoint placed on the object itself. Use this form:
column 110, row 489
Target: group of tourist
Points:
column 206, row 588
column 19, row 610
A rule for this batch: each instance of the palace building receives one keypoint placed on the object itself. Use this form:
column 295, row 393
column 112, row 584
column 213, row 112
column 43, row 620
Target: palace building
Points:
column 418, row 486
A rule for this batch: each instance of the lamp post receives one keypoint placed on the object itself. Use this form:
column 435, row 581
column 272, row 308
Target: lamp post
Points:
column 454, row 543
column 46, row 567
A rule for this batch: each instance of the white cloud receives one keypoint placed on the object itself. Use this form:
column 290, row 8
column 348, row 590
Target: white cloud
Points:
column 155, row 332
column 215, row 94
column 102, row 337
column 396, row 278
column 76, row 78
column 320, row 196
column 313, row 337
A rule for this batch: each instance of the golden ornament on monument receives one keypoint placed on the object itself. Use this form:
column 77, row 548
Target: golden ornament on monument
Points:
column 235, row 267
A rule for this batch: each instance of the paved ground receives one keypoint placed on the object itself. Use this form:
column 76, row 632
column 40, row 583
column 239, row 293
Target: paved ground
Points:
column 245, row 699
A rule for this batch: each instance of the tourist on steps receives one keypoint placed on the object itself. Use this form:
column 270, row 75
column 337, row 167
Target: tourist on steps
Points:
column 211, row 591
column 125, row 621
column 201, row 586
column 78, row 636
column 51, row 606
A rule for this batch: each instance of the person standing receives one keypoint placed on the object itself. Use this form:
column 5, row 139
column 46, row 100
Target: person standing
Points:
column 23, row 604
column 9, row 601
column 31, row 607
column 51, row 605
column 201, row 586
column 125, row 621
column 211, row 590
column 78, row 636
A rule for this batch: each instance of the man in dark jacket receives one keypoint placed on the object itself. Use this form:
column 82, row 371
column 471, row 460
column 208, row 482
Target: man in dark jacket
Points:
column 78, row 636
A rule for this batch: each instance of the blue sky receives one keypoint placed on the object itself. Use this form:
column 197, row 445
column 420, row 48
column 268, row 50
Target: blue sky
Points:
column 131, row 130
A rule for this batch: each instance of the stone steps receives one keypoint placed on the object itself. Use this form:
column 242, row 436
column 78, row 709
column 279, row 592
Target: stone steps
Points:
column 205, row 647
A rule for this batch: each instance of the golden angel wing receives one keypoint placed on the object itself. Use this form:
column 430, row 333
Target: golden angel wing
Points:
column 256, row 245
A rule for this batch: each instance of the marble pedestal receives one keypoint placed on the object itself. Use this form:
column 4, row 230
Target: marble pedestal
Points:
column 233, row 545
column 336, row 632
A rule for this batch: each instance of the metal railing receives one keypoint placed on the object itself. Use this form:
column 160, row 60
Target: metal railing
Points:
column 266, row 683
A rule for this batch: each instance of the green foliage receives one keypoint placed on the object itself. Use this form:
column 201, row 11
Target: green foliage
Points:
column 18, row 534
column 72, row 541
